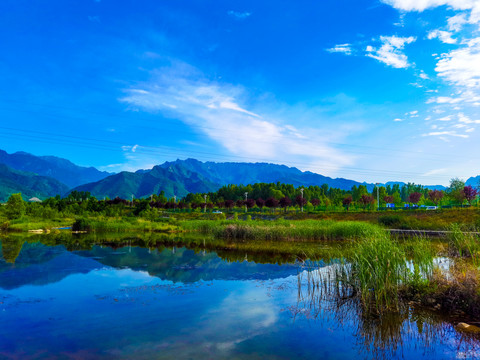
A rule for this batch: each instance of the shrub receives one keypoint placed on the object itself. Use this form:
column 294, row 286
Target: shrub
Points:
column 82, row 224
column 389, row 220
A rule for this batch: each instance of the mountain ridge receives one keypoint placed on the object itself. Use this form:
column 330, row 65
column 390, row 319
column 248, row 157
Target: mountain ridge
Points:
column 55, row 167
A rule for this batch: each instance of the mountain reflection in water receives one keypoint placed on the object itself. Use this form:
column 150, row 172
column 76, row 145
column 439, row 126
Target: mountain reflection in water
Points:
column 100, row 302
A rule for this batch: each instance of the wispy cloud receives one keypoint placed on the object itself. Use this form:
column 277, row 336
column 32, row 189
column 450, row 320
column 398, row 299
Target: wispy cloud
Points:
column 446, row 133
column 217, row 110
column 342, row 48
column 391, row 51
column 239, row 15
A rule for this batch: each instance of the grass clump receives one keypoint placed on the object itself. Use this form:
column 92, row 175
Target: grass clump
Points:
column 389, row 220
column 464, row 244
column 379, row 267
column 381, row 271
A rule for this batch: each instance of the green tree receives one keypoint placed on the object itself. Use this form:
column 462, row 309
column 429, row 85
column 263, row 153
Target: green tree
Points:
column 15, row 207
column 455, row 190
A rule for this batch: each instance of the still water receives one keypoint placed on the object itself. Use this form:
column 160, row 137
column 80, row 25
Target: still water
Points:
column 133, row 302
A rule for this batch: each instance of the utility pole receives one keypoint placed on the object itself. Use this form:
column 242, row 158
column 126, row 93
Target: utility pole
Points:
column 246, row 197
column 378, row 196
column 174, row 202
column 132, row 200
column 301, row 190
column 205, row 207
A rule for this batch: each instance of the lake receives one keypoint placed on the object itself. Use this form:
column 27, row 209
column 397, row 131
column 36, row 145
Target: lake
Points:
column 100, row 302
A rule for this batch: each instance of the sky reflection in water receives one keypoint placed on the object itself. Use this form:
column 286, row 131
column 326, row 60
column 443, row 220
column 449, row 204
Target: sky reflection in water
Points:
column 135, row 303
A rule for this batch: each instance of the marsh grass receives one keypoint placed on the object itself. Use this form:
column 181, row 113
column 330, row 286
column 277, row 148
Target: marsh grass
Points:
column 125, row 224
column 377, row 271
column 27, row 223
column 379, row 268
column 299, row 230
column 464, row 244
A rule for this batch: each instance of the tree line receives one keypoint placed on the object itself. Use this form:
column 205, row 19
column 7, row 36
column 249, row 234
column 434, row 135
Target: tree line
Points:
column 256, row 196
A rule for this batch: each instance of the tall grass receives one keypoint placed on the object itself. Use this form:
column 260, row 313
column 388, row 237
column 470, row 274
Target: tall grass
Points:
column 378, row 270
column 464, row 244
column 307, row 230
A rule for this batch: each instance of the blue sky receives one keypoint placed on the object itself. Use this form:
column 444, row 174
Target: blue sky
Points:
column 371, row 90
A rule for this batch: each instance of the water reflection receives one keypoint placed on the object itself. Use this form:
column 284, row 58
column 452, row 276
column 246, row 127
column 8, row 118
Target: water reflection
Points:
column 67, row 297
column 388, row 335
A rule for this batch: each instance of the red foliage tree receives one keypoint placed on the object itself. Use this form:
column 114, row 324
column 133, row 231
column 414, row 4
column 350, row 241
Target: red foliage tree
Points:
column 182, row 205
column 388, row 199
column 260, row 203
column 229, row 204
column 347, row 202
column 315, row 202
column 435, row 196
column 250, row 203
column 285, row 202
column 271, row 202
column 300, row 200
column 365, row 200
column 470, row 193
column 414, row 197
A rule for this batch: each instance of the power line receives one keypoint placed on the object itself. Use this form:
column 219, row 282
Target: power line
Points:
column 163, row 150
column 376, row 151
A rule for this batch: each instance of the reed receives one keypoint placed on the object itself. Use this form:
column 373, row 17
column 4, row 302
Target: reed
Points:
column 299, row 230
column 464, row 244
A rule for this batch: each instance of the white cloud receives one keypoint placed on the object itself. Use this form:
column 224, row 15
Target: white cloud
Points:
column 421, row 5
column 239, row 15
column 446, row 118
column 466, row 120
column 215, row 110
column 461, row 67
column 445, row 133
column 435, row 172
column 456, row 22
column 342, row 48
column 444, row 100
column 423, row 76
column 397, row 120
column 443, row 36
column 390, row 52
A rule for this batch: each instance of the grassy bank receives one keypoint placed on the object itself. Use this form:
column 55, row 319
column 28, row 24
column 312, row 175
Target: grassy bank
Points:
column 122, row 225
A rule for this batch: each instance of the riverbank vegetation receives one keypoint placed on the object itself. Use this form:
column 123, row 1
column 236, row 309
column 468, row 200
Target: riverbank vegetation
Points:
column 143, row 215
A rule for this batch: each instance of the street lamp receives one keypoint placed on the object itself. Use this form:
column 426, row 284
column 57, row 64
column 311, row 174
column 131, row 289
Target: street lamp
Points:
column 378, row 196
column 246, row 197
column 301, row 191
column 205, row 207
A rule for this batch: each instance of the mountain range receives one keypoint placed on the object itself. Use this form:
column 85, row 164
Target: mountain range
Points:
column 28, row 183
column 45, row 176
column 60, row 169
